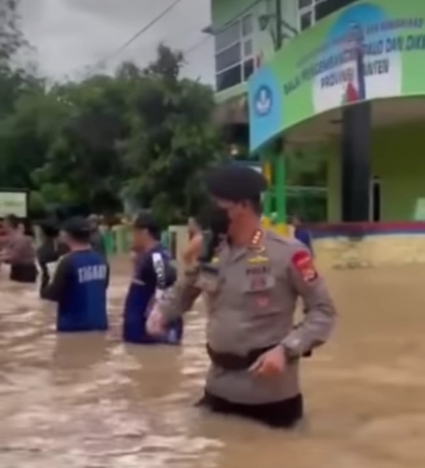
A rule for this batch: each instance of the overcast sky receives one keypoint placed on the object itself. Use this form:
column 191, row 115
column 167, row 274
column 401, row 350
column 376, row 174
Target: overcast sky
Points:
column 71, row 35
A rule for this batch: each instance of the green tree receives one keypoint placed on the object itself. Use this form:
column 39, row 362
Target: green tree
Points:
column 143, row 133
column 83, row 163
column 173, row 139
column 25, row 138
column 11, row 37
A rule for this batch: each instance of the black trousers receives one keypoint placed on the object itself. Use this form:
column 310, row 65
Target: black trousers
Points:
column 23, row 273
column 283, row 414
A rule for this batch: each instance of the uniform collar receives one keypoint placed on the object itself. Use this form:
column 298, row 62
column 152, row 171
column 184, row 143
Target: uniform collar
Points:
column 255, row 244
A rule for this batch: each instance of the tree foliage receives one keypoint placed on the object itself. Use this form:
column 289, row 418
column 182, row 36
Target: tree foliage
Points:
column 11, row 37
column 142, row 134
column 171, row 137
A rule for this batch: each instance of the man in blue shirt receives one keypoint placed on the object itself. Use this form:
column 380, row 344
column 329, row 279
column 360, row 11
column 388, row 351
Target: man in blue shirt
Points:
column 153, row 274
column 79, row 283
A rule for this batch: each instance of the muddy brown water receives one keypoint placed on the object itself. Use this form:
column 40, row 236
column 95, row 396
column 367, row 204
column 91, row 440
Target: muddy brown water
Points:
column 92, row 402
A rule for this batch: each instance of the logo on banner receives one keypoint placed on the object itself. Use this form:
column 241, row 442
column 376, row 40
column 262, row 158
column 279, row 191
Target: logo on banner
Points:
column 263, row 101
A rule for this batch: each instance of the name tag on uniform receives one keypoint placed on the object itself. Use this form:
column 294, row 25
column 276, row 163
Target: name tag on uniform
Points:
column 259, row 284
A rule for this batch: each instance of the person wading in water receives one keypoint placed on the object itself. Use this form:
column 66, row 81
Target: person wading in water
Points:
column 251, row 279
column 19, row 252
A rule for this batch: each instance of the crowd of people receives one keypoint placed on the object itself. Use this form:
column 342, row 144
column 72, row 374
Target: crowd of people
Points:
column 71, row 269
column 250, row 279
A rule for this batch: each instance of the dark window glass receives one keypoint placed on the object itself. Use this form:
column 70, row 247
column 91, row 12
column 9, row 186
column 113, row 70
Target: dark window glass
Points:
column 304, row 3
column 248, row 68
column 228, row 57
column 228, row 36
column 328, row 7
column 311, row 206
column 306, row 20
column 229, row 78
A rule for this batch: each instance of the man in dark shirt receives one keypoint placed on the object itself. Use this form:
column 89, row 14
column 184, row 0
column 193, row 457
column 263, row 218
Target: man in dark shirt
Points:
column 80, row 282
column 96, row 239
column 153, row 274
column 50, row 250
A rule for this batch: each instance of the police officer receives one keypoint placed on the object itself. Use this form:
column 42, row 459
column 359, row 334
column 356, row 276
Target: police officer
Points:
column 251, row 285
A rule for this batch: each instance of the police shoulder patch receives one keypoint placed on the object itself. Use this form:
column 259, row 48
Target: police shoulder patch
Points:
column 304, row 265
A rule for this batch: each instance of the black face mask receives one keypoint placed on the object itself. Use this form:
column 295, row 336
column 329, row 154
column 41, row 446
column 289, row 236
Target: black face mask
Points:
column 219, row 220
column 216, row 225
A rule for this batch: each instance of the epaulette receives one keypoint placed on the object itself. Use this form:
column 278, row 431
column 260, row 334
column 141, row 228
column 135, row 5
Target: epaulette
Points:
column 257, row 239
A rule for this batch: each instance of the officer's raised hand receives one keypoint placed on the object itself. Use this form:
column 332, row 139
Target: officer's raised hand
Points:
column 271, row 363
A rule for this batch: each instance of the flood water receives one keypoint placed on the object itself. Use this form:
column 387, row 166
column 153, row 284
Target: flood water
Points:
column 92, row 402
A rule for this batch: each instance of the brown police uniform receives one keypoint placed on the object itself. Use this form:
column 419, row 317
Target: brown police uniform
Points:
column 250, row 294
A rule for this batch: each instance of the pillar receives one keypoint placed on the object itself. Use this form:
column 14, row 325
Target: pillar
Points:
column 280, row 187
column 266, row 164
column 355, row 154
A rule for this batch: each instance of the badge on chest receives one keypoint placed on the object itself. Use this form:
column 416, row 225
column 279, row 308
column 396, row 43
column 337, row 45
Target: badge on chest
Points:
column 259, row 284
column 259, row 278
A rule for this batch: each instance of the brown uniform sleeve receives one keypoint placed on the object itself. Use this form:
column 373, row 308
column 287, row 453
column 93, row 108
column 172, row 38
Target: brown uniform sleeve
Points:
column 180, row 297
column 320, row 313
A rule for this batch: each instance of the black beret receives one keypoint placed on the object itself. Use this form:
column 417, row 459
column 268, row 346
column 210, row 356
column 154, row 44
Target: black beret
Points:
column 235, row 183
column 76, row 226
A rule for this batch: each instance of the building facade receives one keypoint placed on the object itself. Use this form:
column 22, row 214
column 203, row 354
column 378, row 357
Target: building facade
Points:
column 350, row 77
column 246, row 35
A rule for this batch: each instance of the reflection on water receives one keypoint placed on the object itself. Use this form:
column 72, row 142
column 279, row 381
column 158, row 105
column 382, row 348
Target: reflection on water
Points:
column 89, row 401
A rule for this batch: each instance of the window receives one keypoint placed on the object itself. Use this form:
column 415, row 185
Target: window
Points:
column 308, row 204
column 234, row 53
column 227, row 37
column 311, row 11
column 306, row 184
column 247, row 25
column 247, row 47
column 228, row 57
column 306, row 20
column 304, row 3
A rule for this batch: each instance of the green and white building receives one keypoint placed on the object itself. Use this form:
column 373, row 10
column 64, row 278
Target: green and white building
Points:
column 331, row 92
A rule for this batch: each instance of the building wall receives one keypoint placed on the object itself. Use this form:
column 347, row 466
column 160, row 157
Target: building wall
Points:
column 397, row 159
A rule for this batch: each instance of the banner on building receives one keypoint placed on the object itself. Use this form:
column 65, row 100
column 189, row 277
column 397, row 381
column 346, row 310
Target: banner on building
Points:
column 371, row 50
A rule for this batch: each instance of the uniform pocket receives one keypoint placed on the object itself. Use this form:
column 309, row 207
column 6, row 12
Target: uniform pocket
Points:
column 258, row 293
